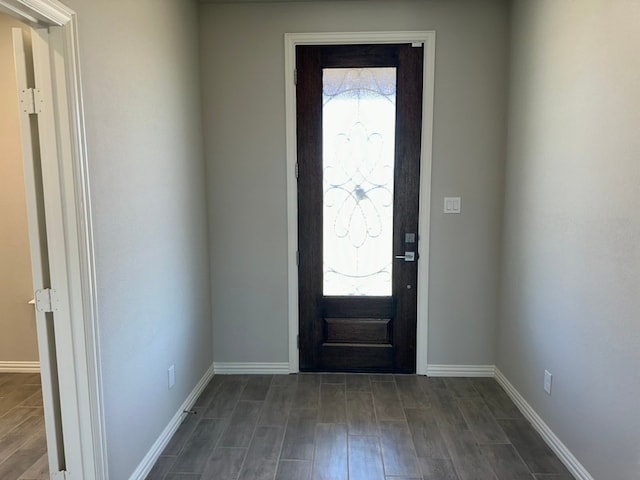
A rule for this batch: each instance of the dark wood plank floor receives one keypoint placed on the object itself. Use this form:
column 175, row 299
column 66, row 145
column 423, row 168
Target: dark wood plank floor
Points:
column 23, row 448
column 355, row 427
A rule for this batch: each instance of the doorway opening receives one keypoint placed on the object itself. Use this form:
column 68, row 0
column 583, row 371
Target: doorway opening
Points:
column 358, row 139
column 344, row 320
column 59, row 217
column 21, row 401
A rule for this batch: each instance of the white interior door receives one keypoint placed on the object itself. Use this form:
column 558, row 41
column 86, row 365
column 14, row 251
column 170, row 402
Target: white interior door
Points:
column 44, row 217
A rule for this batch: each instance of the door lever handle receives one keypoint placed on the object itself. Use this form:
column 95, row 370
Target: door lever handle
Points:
column 408, row 256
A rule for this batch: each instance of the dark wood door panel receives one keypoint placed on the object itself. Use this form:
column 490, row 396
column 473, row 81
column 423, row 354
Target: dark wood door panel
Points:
column 357, row 333
column 358, row 320
column 358, row 56
column 358, row 330
column 377, row 307
column 356, row 358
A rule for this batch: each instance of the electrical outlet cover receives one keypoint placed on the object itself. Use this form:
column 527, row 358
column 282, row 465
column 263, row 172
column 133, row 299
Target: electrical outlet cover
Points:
column 547, row 381
column 172, row 376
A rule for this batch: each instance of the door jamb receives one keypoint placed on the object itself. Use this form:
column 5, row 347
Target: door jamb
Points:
column 77, row 252
column 291, row 40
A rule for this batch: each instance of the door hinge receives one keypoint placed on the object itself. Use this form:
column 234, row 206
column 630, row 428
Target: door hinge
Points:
column 297, row 258
column 297, row 170
column 298, row 341
column 61, row 475
column 31, row 101
column 47, row 300
column 295, row 76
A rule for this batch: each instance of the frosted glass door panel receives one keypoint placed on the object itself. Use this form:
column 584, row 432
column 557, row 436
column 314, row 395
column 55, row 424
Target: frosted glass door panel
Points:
column 358, row 131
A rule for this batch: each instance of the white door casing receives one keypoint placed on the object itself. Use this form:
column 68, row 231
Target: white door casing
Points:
column 291, row 40
column 69, row 249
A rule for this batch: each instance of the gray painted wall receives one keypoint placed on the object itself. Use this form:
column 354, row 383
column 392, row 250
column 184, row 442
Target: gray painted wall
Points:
column 570, row 261
column 141, row 91
column 243, row 97
column 18, row 341
column 571, row 265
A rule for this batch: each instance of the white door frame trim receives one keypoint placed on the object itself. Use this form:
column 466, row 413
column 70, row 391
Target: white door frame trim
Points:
column 84, row 428
column 428, row 38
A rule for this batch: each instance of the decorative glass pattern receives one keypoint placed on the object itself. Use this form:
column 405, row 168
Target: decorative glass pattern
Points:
column 358, row 121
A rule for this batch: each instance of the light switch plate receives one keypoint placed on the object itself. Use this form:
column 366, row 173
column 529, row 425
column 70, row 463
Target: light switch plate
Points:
column 452, row 204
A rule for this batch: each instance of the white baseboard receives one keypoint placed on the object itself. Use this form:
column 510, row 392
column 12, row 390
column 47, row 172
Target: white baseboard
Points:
column 461, row 370
column 19, row 367
column 151, row 457
column 243, row 368
column 559, row 448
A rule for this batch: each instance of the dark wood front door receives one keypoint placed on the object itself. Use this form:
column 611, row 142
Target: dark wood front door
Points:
column 359, row 124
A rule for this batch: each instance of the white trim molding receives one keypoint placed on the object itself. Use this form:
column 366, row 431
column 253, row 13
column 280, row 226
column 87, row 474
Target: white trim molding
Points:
column 550, row 438
column 70, row 231
column 19, row 367
column 159, row 445
column 246, row 368
column 428, row 39
column 461, row 370
column 44, row 12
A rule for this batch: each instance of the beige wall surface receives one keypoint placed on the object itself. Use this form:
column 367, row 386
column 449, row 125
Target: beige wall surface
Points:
column 141, row 94
column 571, row 265
column 18, row 341
column 243, row 98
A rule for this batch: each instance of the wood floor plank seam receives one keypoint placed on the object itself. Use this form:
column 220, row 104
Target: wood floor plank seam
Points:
column 282, row 444
column 253, row 434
